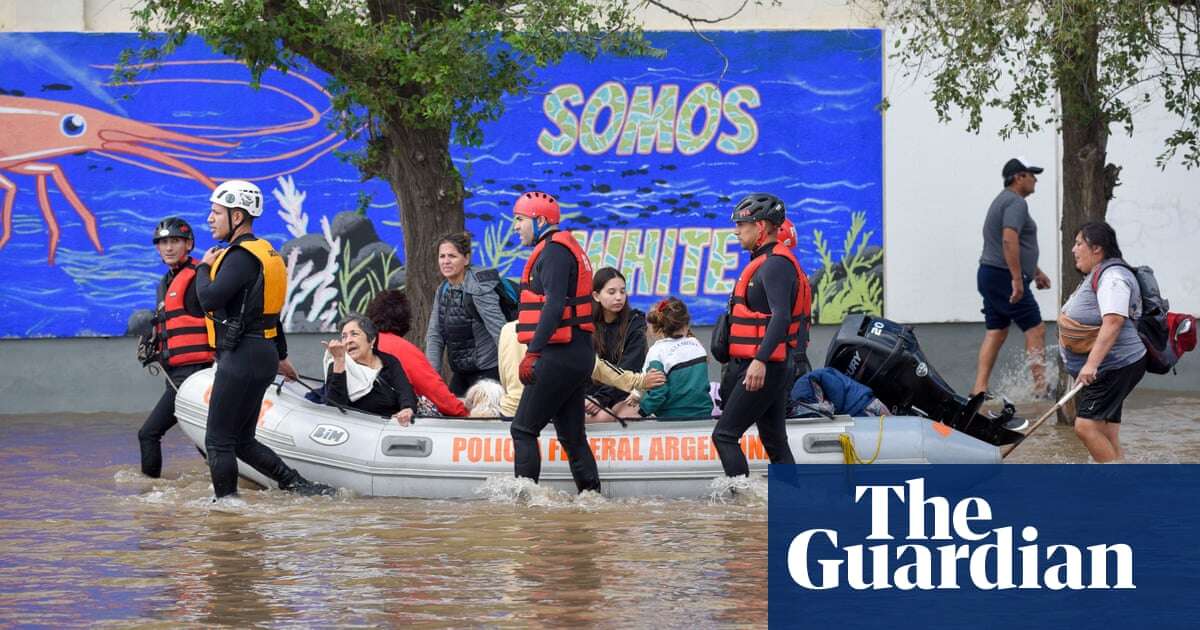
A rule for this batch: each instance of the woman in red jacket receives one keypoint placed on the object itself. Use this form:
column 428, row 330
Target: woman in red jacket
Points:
column 389, row 311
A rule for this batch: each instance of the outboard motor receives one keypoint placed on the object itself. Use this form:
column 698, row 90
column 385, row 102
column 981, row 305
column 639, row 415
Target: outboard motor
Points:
column 886, row 357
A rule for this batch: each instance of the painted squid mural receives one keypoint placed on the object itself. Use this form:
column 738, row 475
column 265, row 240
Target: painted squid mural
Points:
column 38, row 130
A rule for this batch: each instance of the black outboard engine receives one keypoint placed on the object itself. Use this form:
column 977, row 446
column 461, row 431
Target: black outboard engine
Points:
column 885, row 356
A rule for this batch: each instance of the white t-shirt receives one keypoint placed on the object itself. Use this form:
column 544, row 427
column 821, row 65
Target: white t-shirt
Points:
column 1114, row 295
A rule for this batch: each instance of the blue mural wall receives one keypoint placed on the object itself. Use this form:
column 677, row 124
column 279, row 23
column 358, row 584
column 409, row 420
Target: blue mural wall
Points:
column 647, row 157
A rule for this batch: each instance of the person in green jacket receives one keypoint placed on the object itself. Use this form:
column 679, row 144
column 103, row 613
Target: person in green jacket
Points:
column 683, row 359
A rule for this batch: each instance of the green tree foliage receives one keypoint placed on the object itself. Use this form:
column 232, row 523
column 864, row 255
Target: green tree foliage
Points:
column 406, row 77
column 1017, row 56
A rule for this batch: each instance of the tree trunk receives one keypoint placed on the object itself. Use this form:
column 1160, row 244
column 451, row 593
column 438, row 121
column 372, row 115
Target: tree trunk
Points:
column 1087, row 182
column 430, row 193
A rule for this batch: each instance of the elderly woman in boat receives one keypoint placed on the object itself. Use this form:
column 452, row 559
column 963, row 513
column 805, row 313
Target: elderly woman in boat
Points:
column 358, row 376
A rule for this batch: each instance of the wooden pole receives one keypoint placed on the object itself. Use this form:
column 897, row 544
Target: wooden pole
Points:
column 1049, row 412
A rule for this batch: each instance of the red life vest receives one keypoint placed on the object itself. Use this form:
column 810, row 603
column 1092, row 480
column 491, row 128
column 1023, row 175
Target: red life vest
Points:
column 578, row 308
column 747, row 328
column 184, row 335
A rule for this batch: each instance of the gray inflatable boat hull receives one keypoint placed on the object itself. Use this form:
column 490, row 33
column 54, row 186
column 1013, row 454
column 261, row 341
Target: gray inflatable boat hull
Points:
column 451, row 458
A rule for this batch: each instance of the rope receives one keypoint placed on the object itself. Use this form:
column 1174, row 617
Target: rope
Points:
column 850, row 454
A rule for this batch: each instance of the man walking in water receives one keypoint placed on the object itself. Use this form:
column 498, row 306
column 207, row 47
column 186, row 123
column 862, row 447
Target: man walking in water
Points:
column 181, row 342
column 1006, row 268
column 555, row 322
column 768, row 312
column 242, row 288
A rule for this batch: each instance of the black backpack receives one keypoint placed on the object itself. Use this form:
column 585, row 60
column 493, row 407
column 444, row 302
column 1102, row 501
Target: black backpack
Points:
column 505, row 289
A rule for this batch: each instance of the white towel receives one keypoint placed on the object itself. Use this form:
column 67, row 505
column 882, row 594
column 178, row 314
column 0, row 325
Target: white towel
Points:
column 359, row 378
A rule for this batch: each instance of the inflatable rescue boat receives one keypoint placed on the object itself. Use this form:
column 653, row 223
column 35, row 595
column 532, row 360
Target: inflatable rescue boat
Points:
column 442, row 458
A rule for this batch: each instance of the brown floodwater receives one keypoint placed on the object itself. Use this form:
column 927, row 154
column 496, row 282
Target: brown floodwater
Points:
column 1156, row 428
column 86, row 540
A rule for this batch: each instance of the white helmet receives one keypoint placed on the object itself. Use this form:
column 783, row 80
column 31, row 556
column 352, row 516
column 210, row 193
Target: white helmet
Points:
column 237, row 193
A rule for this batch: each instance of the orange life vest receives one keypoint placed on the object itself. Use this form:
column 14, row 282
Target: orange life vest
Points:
column 184, row 335
column 578, row 308
column 747, row 327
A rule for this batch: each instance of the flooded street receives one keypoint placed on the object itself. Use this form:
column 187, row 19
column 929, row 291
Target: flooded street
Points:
column 88, row 541
column 1157, row 428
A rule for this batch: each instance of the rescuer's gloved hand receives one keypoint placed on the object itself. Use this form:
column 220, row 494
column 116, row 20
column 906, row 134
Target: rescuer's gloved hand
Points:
column 526, row 369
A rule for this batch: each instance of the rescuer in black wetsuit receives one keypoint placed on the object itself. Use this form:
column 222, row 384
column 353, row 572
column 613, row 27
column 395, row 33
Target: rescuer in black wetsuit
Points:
column 242, row 287
column 555, row 322
column 181, row 345
column 768, row 315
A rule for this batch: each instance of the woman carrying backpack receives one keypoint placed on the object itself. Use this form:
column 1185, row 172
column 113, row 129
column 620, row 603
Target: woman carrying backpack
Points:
column 619, row 338
column 1099, row 341
column 466, row 317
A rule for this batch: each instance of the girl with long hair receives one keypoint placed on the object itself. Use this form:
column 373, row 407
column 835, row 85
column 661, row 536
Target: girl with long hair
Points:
column 619, row 338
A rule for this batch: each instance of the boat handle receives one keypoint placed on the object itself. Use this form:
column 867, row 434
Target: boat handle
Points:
column 407, row 446
column 822, row 443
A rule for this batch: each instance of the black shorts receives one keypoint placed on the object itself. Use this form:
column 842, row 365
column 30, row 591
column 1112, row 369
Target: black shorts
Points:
column 995, row 285
column 1103, row 399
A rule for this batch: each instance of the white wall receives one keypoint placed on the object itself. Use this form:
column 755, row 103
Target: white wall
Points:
column 790, row 15
column 938, row 178
column 1156, row 213
column 65, row 15
column 939, row 181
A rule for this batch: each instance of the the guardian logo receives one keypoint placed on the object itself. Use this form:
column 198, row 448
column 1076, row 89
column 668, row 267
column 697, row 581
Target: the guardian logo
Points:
column 972, row 556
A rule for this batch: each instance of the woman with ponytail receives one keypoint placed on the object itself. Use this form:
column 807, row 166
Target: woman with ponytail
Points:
column 683, row 359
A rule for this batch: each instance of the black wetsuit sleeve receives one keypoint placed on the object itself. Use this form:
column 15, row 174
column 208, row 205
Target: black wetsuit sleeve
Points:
column 280, row 341
column 191, row 302
column 778, row 279
column 635, row 345
column 554, row 269
column 238, row 270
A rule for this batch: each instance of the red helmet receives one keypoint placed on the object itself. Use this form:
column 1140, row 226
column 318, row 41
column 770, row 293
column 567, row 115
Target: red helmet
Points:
column 536, row 204
column 787, row 234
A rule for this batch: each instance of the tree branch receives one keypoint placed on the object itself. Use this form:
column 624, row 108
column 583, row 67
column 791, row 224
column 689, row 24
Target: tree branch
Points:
column 691, row 19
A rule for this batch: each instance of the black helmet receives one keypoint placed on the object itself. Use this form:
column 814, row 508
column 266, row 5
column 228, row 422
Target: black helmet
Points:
column 173, row 227
column 759, row 207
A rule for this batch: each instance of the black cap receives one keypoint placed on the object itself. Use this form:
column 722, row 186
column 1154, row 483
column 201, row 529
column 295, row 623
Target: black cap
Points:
column 1020, row 165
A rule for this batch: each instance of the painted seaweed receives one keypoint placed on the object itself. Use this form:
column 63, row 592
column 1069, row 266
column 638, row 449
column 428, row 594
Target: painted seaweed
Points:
column 358, row 283
column 852, row 285
column 498, row 251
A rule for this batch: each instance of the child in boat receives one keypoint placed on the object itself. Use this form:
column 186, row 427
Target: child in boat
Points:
column 683, row 359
